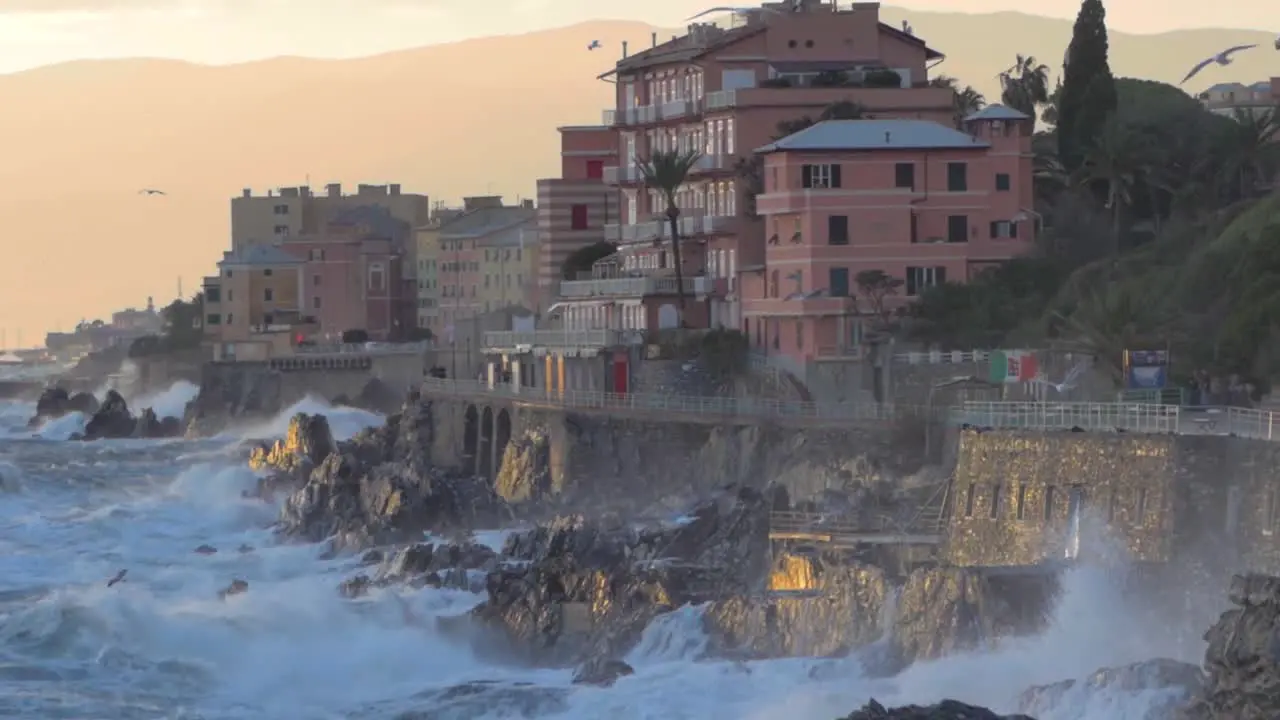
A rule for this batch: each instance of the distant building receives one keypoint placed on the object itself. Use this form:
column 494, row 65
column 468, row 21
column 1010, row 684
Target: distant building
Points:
column 1229, row 98
column 574, row 208
column 253, row 307
column 913, row 199
column 144, row 322
column 427, row 243
column 290, row 211
column 354, row 277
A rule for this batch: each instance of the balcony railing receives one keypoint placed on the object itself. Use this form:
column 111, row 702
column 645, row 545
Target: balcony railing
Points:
column 637, row 232
column 632, row 287
column 560, row 339
column 846, row 353
column 721, row 99
column 712, row 163
column 615, row 174
column 608, row 118
column 676, row 108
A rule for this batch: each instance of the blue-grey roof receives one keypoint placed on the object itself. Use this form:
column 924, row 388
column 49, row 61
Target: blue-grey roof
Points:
column 997, row 112
column 485, row 221
column 260, row 255
column 875, row 135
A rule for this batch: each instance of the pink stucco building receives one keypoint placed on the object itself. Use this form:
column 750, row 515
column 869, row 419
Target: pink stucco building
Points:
column 914, row 199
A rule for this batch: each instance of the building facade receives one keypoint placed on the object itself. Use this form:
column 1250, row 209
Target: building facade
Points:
column 1229, row 98
column 723, row 93
column 290, row 211
column 849, row 203
column 574, row 208
column 426, row 241
column 253, row 305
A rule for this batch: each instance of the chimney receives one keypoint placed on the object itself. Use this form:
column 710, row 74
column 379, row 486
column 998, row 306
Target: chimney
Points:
column 333, row 190
column 247, row 192
column 653, row 40
column 624, row 49
column 305, row 190
column 526, row 204
column 395, row 188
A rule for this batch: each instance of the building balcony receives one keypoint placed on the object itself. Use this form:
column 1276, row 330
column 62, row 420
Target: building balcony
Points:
column 799, row 305
column 632, row 287
column 678, row 108
column 622, row 174
column 714, row 163
column 698, row 225
column 609, row 117
column 516, row 342
column 903, row 100
column 634, row 233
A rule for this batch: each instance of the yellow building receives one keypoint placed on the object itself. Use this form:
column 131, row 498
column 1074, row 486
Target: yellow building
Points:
column 509, row 267
column 253, row 305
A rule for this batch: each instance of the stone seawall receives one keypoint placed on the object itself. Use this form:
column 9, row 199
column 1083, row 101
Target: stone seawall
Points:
column 534, row 451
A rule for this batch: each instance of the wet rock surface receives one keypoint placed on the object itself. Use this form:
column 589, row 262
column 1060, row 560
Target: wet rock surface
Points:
column 457, row 566
column 945, row 710
column 289, row 462
column 1174, row 684
column 113, row 421
column 1242, row 661
column 55, row 402
column 381, row 488
column 575, row 590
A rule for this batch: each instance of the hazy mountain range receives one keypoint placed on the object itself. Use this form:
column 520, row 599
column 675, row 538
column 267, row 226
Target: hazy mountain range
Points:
column 465, row 118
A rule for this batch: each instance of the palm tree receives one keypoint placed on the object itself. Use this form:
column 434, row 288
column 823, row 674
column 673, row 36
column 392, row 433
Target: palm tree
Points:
column 1116, row 158
column 1252, row 149
column 965, row 101
column 665, row 172
column 1025, row 86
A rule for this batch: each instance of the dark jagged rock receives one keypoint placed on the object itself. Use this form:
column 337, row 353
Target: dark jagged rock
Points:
column 56, row 402
column 377, row 396
column 306, row 444
column 525, row 469
column 602, row 672
column 1242, row 661
column 945, row 710
column 488, row 698
column 816, row 605
column 380, row 488
column 112, row 420
column 1175, row 682
column 574, row 590
column 425, row 564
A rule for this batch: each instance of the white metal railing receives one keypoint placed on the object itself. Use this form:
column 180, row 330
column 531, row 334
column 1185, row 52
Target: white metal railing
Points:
column 599, row 338
column 646, row 114
column 369, row 348
column 675, row 109
column 635, row 232
column 723, row 407
column 615, row 174
column 711, row 162
column 608, row 117
column 1067, row 415
column 721, row 99
column 632, row 287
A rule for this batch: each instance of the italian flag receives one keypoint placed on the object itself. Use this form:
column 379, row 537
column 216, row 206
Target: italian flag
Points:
column 1009, row 366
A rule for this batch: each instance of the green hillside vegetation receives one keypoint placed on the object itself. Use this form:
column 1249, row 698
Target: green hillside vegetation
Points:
column 1165, row 233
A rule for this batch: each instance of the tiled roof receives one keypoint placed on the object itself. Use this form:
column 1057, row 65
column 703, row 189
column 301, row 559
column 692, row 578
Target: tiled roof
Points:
column 998, row 112
column 259, row 255
column 875, row 135
column 484, row 221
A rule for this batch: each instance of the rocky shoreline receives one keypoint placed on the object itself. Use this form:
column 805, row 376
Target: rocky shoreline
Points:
column 577, row 590
column 109, row 420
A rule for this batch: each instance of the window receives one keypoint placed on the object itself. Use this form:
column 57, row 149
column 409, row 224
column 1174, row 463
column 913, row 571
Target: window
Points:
column 578, row 217
column 773, row 283
column 315, row 281
column 1004, row 229
column 213, row 294
column 957, row 177
column 920, row 279
column 228, row 273
column 838, row 282
column 957, row 228
column 213, row 319
column 838, row 230
column 268, row 319
column 904, row 175
column 1002, row 182
column 375, row 276
column 799, row 334
column 1022, row 501
column 968, row 501
column 820, row 176
column 266, row 273
column 231, row 296
column 281, row 209
column 282, row 229
column 268, row 295
column 1048, row 504
column 315, row 302
column 231, row 318
column 995, row 501
column 595, row 169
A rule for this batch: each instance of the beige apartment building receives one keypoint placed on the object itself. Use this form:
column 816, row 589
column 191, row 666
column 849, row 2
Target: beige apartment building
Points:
column 290, row 211
column 426, row 242
column 1230, row 98
column 253, row 305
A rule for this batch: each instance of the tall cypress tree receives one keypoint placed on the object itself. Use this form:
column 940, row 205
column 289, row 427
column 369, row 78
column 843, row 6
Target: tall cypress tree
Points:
column 1088, row 87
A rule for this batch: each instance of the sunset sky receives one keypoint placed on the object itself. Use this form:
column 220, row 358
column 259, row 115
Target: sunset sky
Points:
column 39, row 32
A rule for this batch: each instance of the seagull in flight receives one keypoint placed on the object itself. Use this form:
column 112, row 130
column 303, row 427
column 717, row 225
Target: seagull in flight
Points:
column 594, row 44
column 734, row 10
column 1068, row 383
column 150, row 191
column 1222, row 58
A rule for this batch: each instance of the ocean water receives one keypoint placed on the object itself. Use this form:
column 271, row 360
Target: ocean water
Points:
column 162, row 644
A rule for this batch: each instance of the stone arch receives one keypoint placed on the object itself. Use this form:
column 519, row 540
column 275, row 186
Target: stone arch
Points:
column 668, row 317
column 484, row 449
column 470, row 439
column 501, row 437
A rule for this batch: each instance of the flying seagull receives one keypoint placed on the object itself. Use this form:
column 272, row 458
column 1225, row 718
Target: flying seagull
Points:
column 734, row 10
column 149, row 191
column 1222, row 58
column 118, row 578
column 594, row 44
column 1068, row 383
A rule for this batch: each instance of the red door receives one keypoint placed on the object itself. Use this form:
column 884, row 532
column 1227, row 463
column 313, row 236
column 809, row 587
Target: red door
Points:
column 620, row 374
